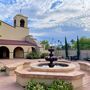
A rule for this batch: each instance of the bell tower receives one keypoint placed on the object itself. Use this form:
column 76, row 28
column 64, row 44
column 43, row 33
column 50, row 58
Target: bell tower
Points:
column 20, row 21
column 21, row 29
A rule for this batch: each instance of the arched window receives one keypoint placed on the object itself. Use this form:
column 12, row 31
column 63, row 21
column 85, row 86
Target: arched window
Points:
column 22, row 23
column 14, row 23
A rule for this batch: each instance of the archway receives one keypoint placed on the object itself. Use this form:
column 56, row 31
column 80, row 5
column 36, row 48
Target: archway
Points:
column 14, row 23
column 22, row 23
column 4, row 52
column 33, row 49
column 18, row 52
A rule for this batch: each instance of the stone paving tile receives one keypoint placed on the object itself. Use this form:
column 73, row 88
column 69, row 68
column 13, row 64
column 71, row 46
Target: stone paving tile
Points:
column 85, row 87
column 9, row 82
column 86, row 79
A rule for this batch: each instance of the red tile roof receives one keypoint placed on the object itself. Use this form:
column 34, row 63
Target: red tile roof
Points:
column 16, row 42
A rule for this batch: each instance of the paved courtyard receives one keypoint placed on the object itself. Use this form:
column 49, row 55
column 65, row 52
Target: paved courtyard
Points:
column 9, row 82
column 86, row 82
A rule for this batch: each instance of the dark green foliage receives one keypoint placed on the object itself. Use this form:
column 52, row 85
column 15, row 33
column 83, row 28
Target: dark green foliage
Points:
column 66, row 48
column 60, row 85
column 43, row 55
column 78, row 49
column 84, row 43
column 55, row 85
column 45, row 43
column 33, row 55
column 58, row 47
column 33, row 85
column 3, row 69
column 72, row 41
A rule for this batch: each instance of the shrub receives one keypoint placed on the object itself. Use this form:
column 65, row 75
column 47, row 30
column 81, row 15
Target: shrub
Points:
column 2, row 69
column 60, row 85
column 33, row 85
column 43, row 55
column 33, row 55
column 55, row 85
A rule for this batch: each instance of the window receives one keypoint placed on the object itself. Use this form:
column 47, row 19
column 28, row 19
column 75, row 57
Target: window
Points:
column 22, row 23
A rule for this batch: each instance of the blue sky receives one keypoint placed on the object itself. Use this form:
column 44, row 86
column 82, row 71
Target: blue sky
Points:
column 50, row 19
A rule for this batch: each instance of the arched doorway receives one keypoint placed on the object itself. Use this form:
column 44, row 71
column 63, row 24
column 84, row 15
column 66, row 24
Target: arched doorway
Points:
column 4, row 52
column 14, row 23
column 18, row 52
column 33, row 49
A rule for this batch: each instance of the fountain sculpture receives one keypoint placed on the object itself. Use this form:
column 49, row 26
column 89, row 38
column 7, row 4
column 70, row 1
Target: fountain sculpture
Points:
column 51, row 57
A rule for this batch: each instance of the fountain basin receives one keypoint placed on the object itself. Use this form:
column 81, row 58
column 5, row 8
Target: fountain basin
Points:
column 47, row 75
column 59, row 67
column 23, row 76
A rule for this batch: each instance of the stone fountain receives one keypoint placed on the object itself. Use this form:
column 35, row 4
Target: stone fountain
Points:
column 51, row 58
column 49, row 70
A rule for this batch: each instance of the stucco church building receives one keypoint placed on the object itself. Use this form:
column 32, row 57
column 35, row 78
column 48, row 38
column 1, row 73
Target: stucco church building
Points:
column 15, row 41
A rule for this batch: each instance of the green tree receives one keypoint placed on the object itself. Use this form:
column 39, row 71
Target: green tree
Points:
column 78, row 48
column 58, row 47
column 84, row 43
column 66, row 47
column 72, row 41
column 46, row 44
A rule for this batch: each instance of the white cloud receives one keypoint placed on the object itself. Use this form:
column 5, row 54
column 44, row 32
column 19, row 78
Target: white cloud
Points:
column 86, row 22
column 37, row 34
column 70, row 9
column 41, row 14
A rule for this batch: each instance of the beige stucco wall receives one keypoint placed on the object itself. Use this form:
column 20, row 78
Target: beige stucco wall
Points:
column 16, row 32
column 12, row 47
column 18, row 17
column 83, row 53
column 11, row 33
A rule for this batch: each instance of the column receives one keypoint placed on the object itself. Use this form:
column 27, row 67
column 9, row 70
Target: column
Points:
column 11, row 55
